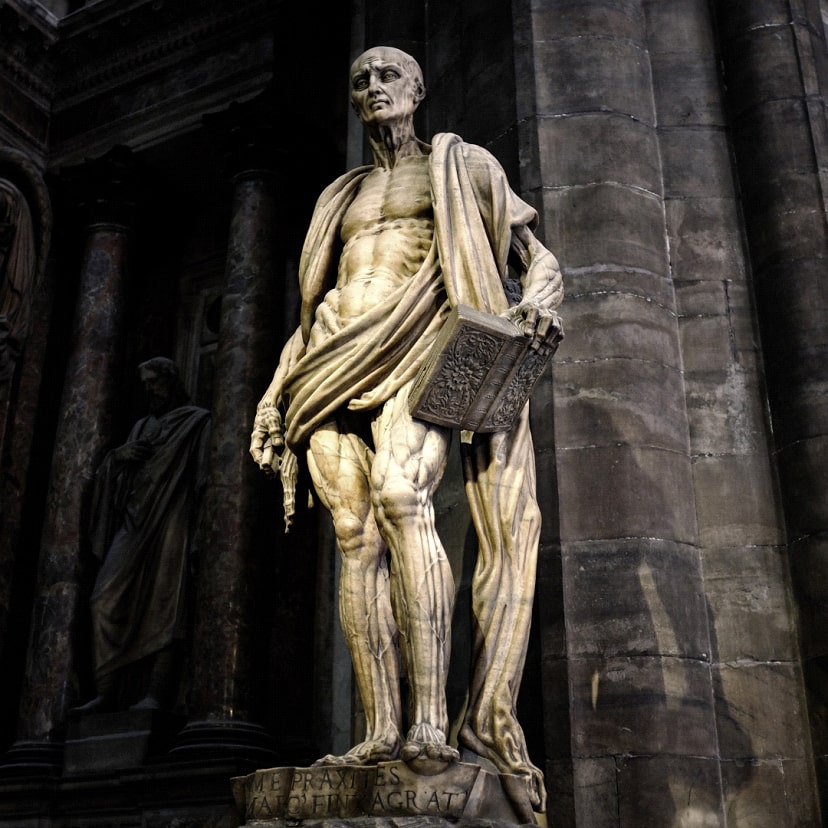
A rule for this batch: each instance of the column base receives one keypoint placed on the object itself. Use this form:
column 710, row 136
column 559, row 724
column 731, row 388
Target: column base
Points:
column 223, row 739
column 29, row 757
column 125, row 739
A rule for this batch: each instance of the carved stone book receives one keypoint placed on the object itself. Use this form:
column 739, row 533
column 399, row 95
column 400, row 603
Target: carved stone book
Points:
column 478, row 375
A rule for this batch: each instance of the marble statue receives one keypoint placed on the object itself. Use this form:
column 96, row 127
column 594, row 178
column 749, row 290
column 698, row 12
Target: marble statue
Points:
column 391, row 248
column 144, row 513
column 25, row 231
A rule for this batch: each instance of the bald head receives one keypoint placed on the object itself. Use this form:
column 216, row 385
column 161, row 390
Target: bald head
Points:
column 386, row 85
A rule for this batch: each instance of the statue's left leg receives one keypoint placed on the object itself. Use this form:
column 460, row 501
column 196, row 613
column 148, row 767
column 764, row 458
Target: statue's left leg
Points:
column 409, row 464
column 500, row 485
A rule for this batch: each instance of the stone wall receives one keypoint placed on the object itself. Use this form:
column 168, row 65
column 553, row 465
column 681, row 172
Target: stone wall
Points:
column 676, row 153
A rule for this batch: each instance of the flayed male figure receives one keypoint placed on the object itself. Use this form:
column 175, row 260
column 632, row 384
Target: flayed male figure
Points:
column 391, row 248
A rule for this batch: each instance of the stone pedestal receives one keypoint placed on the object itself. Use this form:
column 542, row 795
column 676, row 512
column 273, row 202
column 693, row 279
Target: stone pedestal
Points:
column 118, row 740
column 330, row 794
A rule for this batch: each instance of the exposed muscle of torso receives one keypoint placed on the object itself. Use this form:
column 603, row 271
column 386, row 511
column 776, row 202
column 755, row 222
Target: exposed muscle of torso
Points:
column 387, row 231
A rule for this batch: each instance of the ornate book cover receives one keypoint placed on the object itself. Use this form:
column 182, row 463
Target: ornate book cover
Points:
column 479, row 374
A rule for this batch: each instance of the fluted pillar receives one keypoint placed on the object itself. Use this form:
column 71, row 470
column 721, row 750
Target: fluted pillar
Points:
column 773, row 55
column 83, row 434
column 635, row 644
column 241, row 515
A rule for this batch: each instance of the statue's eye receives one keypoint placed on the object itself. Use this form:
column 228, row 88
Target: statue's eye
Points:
column 389, row 75
column 361, row 83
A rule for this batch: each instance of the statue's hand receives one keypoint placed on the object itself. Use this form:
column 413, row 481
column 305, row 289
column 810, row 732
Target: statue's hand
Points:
column 543, row 325
column 267, row 438
column 135, row 452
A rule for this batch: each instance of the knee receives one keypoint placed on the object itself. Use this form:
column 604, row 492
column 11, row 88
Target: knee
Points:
column 350, row 531
column 397, row 500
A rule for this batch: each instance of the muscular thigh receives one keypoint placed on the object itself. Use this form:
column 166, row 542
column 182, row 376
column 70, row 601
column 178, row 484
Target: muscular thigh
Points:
column 340, row 467
column 407, row 449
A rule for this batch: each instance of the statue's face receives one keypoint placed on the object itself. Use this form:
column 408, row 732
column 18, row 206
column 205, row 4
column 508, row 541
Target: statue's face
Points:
column 158, row 388
column 384, row 88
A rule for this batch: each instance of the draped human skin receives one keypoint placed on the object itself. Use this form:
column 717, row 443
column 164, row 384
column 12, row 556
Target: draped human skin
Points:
column 363, row 364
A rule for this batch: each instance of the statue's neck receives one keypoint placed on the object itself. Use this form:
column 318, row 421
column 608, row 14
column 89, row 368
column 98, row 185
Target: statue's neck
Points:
column 390, row 142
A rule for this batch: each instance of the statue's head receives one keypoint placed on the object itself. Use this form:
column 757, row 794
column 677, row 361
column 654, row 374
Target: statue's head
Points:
column 386, row 85
column 162, row 383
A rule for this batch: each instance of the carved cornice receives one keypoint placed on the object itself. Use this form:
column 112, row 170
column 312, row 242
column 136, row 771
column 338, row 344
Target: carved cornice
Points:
column 28, row 33
column 144, row 36
column 59, row 62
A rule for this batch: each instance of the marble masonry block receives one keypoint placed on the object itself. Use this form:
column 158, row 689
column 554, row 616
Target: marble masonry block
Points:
column 623, row 326
column 595, row 783
column 705, row 237
column 561, row 808
column 706, row 346
column 118, row 740
column 589, row 74
column 775, row 136
column 530, row 162
column 607, row 225
column 675, row 26
column 744, row 15
column 620, row 150
column 686, row 87
column 744, row 324
column 770, row 793
column 736, row 501
column 760, row 711
column 750, row 605
column 696, row 162
column 656, row 287
column 701, row 297
column 809, row 573
column 726, row 413
column 556, row 725
column 669, row 790
column 763, row 66
column 779, row 191
column 634, row 492
column 641, row 706
column 396, row 25
column 791, row 235
column 815, row 672
column 629, row 401
column 582, row 18
column 549, row 600
column 804, row 468
column 635, row 598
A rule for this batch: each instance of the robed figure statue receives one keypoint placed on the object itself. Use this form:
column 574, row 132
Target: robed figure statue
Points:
column 144, row 518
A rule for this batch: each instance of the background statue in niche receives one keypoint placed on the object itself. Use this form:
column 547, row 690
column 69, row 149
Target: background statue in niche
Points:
column 391, row 249
column 25, row 234
column 144, row 519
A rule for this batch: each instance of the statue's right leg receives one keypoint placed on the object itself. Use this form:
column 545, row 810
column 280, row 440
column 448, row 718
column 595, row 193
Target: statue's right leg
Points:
column 340, row 466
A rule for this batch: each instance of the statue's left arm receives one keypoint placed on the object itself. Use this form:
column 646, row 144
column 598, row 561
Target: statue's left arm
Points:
column 542, row 290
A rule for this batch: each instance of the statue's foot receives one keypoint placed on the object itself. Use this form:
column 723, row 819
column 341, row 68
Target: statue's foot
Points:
column 100, row 704
column 365, row 753
column 149, row 702
column 425, row 749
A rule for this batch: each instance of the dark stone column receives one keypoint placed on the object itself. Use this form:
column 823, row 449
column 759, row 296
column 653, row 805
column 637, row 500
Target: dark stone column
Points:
column 611, row 415
column 242, row 513
column 83, row 434
column 774, row 62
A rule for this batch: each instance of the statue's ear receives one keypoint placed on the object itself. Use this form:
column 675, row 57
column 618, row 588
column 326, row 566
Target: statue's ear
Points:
column 419, row 92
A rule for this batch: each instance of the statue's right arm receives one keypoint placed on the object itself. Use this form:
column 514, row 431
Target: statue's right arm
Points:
column 267, row 439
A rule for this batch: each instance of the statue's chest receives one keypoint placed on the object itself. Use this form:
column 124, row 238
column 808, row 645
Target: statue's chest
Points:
column 388, row 195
